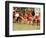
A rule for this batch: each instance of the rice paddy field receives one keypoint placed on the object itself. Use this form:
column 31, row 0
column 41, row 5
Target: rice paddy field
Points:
column 22, row 26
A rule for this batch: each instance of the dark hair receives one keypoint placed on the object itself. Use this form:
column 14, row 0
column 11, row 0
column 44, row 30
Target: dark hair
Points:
column 33, row 13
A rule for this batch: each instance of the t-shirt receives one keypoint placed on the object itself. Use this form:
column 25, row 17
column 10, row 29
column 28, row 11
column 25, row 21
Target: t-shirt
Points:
column 17, row 14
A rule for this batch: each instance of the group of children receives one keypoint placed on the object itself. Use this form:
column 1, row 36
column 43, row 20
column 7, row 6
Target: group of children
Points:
column 26, row 17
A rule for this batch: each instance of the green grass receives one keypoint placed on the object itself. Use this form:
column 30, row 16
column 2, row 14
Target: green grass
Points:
column 20, row 26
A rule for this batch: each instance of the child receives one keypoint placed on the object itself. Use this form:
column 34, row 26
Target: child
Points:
column 37, row 16
column 25, row 17
column 30, row 19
